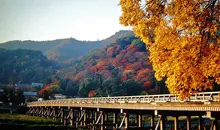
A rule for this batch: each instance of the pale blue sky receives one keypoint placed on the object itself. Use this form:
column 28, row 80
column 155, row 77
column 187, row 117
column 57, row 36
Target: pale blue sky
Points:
column 56, row 19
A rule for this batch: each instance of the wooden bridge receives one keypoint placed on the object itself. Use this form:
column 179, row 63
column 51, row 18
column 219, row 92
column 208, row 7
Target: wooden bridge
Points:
column 127, row 112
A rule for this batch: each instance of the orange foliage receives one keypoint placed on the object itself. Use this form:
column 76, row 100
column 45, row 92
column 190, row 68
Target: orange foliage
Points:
column 80, row 75
column 110, row 51
column 124, row 78
column 183, row 39
column 147, row 84
column 144, row 74
column 43, row 89
column 105, row 73
column 102, row 63
column 91, row 93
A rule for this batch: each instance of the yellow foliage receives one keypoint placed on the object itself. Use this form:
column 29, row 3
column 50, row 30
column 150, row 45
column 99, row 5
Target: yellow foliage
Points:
column 183, row 39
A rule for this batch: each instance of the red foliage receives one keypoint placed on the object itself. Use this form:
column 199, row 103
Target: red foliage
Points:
column 110, row 51
column 123, row 60
column 147, row 84
column 93, row 69
column 115, row 62
column 43, row 89
column 143, row 75
column 206, row 51
column 105, row 73
column 123, row 52
column 129, row 66
column 124, row 78
column 91, row 93
column 80, row 75
column 102, row 63
column 132, row 49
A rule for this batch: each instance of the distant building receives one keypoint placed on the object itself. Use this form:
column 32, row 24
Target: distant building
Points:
column 30, row 96
column 59, row 96
column 1, row 96
column 37, row 84
column 22, row 85
column 30, row 93
column 29, row 85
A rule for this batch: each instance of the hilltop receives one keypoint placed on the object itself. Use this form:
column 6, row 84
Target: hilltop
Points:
column 64, row 50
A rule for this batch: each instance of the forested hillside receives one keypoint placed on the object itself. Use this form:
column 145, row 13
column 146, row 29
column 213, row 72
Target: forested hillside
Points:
column 24, row 66
column 120, row 68
column 57, row 49
column 64, row 51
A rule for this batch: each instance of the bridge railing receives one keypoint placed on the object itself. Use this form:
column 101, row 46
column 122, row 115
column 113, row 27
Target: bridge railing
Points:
column 199, row 97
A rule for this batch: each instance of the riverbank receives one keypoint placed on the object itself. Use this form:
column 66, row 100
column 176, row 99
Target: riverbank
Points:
column 25, row 122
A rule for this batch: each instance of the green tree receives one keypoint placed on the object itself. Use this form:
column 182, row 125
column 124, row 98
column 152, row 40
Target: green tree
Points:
column 6, row 96
column 46, row 95
column 132, row 87
column 18, row 97
column 111, row 87
column 87, row 85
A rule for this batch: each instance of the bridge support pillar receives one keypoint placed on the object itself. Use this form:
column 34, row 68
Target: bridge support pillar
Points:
column 176, row 123
column 115, row 119
column 91, row 115
column 95, row 119
column 140, row 120
column 95, row 115
column 162, row 122
column 62, row 115
column 78, row 118
column 126, row 120
column 71, row 117
column 214, row 125
column 188, row 123
column 45, row 112
column 106, row 116
column 41, row 112
column 152, row 121
column 200, row 125
column 103, row 121
column 48, row 112
column 85, row 119
column 53, row 114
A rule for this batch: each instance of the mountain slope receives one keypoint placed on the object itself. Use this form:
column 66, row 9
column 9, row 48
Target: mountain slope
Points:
column 24, row 66
column 63, row 49
column 120, row 68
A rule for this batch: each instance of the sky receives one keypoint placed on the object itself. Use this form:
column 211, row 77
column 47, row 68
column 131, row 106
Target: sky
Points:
column 56, row 19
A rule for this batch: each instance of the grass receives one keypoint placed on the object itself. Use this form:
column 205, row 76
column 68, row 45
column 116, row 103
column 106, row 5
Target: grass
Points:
column 26, row 119
column 25, row 122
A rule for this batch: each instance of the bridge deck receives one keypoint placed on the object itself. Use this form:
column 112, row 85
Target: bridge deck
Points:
column 139, row 106
column 206, row 101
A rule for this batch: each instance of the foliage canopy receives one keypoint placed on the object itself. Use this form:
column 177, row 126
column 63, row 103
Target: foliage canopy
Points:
column 183, row 39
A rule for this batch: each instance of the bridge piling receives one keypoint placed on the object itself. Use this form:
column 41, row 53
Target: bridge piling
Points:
column 62, row 115
column 152, row 121
column 140, row 124
column 176, row 123
column 188, row 123
column 126, row 120
column 200, row 123
column 162, row 122
column 215, row 125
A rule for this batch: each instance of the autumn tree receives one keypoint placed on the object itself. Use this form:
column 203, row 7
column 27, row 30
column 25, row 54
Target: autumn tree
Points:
column 183, row 39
